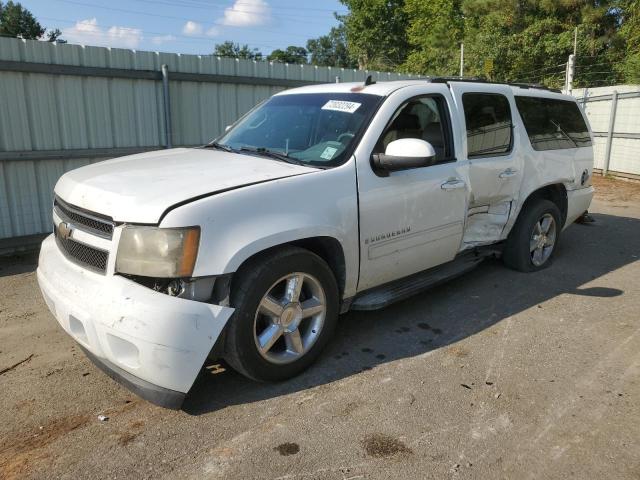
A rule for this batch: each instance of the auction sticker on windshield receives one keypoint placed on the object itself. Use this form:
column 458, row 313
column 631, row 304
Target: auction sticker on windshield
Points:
column 341, row 106
column 328, row 153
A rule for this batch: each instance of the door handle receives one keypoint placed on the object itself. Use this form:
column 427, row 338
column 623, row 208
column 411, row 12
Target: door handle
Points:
column 508, row 173
column 453, row 184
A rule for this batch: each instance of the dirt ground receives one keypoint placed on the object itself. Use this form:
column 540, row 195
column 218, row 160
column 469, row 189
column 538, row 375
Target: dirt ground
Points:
column 496, row 374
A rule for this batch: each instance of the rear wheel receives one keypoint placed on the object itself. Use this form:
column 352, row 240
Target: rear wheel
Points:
column 286, row 309
column 533, row 240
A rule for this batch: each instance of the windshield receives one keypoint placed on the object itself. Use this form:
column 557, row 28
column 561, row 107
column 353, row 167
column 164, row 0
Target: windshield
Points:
column 316, row 129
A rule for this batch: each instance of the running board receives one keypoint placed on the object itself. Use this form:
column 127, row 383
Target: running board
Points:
column 385, row 295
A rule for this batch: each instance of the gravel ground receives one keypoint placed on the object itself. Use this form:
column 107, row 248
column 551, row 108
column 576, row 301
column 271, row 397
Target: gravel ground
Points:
column 497, row 374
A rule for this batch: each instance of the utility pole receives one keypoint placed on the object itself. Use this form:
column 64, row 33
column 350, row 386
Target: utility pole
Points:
column 461, row 60
column 575, row 42
column 571, row 72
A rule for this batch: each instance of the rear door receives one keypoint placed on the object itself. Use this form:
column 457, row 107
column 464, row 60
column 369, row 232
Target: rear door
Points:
column 495, row 170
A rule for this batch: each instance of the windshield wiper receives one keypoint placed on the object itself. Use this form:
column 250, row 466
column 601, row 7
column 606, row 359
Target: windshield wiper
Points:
column 265, row 152
column 560, row 129
column 219, row 146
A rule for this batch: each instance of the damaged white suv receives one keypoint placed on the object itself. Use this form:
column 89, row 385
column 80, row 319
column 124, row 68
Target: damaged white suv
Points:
column 320, row 200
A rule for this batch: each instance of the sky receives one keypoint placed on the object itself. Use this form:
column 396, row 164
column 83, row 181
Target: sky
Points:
column 187, row 26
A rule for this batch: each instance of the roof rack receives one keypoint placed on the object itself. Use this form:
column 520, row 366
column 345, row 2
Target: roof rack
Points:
column 484, row 80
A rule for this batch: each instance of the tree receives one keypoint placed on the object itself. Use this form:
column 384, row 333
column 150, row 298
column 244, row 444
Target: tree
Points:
column 16, row 21
column 525, row 41
column 331, row 50
column 530, row 41
column 435, row 30
column 54, row 36
column 292, row 54
column 230, row 49
column 629, row 66
column 376, row 32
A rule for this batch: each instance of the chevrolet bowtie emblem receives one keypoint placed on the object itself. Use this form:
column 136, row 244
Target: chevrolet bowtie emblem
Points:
column 64, row 230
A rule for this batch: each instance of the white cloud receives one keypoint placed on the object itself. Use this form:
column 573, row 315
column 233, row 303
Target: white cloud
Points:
column 192, row 28
column 88, row 32
column 246, row 13
column 213, row 32
column 160, row 39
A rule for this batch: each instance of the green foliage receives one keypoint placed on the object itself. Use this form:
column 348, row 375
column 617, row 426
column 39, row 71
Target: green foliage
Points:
column 230, row 49
column 376, row 33
column 535, row 38
column 505, row 40
column 54, row 35
column 292, row 54
column 530, row 41
column 17, row 21
column 435, row 30
column 629, row 66
column 331, row 50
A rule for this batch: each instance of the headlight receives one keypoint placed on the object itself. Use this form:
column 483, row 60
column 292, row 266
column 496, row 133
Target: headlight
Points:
column 158, row 252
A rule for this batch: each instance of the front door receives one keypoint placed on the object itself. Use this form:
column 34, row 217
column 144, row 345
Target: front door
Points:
column 411, row 220
column 494, row 169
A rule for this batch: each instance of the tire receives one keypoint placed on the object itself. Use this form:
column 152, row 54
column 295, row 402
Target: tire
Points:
column 518, row 253
column 254, row 323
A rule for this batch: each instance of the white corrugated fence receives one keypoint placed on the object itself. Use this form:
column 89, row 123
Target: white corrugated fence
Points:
column 614, row 115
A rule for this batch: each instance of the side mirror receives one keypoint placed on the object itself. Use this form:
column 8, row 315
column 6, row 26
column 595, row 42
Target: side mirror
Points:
column 404, row 154
column 227, row 128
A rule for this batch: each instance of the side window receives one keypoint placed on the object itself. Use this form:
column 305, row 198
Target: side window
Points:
column 488, row 119
column 425, row 118
column 553, row 124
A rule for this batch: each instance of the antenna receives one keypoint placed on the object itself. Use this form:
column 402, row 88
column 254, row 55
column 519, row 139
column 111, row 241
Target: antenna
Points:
column 368, row 81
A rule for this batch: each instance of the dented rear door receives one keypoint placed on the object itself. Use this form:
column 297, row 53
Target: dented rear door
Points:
column 495, row 171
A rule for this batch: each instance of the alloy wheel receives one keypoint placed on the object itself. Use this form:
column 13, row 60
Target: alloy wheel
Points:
column 543, row 239
column 289, row 318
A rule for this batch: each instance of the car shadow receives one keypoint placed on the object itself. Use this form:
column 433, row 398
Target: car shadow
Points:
column 441, row 316
column 19, row 263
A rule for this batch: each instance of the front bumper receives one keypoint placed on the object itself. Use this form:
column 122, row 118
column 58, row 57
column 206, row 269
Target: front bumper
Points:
column 152, row 343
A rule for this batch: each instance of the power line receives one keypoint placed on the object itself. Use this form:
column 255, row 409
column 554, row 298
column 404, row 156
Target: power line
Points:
column 204, row 4
column 544, row 68
column 238, row 10
column 608, row 72
column 157, row 15
column 543, row 75
column 540, row 78
column 589, row 65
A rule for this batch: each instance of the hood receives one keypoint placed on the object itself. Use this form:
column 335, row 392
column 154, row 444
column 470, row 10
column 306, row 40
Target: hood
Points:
column 140, row 188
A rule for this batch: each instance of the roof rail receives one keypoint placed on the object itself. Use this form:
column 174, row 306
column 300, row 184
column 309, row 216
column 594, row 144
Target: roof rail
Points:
column 484, row 80
column 457, row 79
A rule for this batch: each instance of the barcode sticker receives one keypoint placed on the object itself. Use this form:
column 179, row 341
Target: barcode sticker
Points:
column 341, row 106
column 328, row 153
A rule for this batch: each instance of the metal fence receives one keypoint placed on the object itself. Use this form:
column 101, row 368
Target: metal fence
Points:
column 614, row 115
column 65, row 106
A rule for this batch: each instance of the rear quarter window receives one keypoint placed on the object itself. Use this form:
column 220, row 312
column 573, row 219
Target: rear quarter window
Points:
column 553, row 124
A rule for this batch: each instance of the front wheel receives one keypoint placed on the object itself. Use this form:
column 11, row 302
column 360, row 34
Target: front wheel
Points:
column 533, row 240
column 286, row 309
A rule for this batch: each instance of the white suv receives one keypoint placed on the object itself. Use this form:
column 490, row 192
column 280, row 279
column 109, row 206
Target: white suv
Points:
column 319, row 200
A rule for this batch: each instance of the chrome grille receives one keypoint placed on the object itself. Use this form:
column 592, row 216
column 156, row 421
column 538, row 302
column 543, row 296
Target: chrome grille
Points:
column 82, row 220
column 89, row 257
